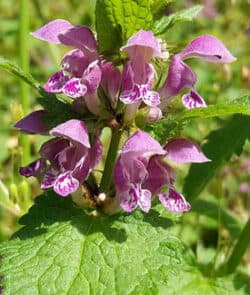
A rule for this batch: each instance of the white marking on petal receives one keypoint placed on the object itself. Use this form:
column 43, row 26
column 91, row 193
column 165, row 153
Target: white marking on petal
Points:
column 65, row 184
column 193, row 100
column 145, row 200
column 151, row 98
column 49, row 179
column 174, row 201
column 56, row 82
column 74, row 88
column 128, row 200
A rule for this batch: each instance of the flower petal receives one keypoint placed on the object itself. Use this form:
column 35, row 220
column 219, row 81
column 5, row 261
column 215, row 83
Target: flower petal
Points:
column 208, row 48
column 131, row 96
column 50, row 31
column 127, row 77
column 74, row 130
column 92, row 77
column 65, row 184
column 160, row 174
column 75, row 62
column 140, row 142
column 33, row 169
column 174, row 201
column 111, row 81
column 151, row 98
column 56, row 82
column 193, row 100
column 128, row 200
column 51, row 148
column 80, row 37
column 145, row 200
column 143, row 43
column 129, row 171
column 74, row 88
column 95, row 153
column 154, row 114
column 181, row 150
column 179, row 77
column 33, row 123
column 49, row 179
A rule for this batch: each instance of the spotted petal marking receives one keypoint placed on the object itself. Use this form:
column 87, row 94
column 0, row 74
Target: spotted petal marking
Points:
column 65, row 184
column 128, row 200
column 74, row 88
column 193, row 100
column 151, row 98
column 49, row 179
column 174, row 201
column 131, row 96
column 56, row 82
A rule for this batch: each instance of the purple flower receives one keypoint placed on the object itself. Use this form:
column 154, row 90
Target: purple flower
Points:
column 141, row 173
column 60, row 31
column 67, row 159
column 138, row 74
column 181, row 76
column 111, row 82
column 80, row 75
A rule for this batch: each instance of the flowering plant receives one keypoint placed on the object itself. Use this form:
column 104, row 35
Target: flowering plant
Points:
column 116, row 94
column 101, row 193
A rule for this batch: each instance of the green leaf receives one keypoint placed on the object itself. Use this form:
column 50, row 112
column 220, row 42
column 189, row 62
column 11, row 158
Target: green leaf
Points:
column 192, row 282
column 158, row 5
column 221, row 145
column 57, row 111
column 237, row 106
column 212, row 210
column 173, row 124
column 165, row 129
column 14, row 69
column 117, row 20
column 166, row 22
column 62, row 250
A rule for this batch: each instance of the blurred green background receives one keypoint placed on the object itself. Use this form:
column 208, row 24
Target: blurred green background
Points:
column 230, row 189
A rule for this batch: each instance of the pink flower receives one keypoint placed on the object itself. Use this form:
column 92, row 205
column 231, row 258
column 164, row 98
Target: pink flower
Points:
column 138, row 74
column 140, row 172
column 67, row 159
column 80, row 75
column 181, row 76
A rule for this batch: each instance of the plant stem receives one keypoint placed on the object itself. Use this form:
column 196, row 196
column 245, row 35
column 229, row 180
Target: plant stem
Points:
column 238, row 251
column 24, row 63
column 110, row 160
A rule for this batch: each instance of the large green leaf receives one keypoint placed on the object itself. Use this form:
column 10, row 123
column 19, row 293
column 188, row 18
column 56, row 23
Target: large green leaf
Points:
column 220, row 146
column 166, row 22
column 193, row 283
column 117, row 20
column 62, row 250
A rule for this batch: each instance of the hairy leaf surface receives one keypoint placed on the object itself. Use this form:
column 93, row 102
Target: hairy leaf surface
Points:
column 62, row 250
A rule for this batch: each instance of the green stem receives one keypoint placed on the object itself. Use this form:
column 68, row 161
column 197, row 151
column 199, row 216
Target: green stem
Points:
column 239, row 250
column 110, row 160
column 24, row 63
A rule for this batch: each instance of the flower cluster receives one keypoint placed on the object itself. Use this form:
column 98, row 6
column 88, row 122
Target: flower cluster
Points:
column 141, row 170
